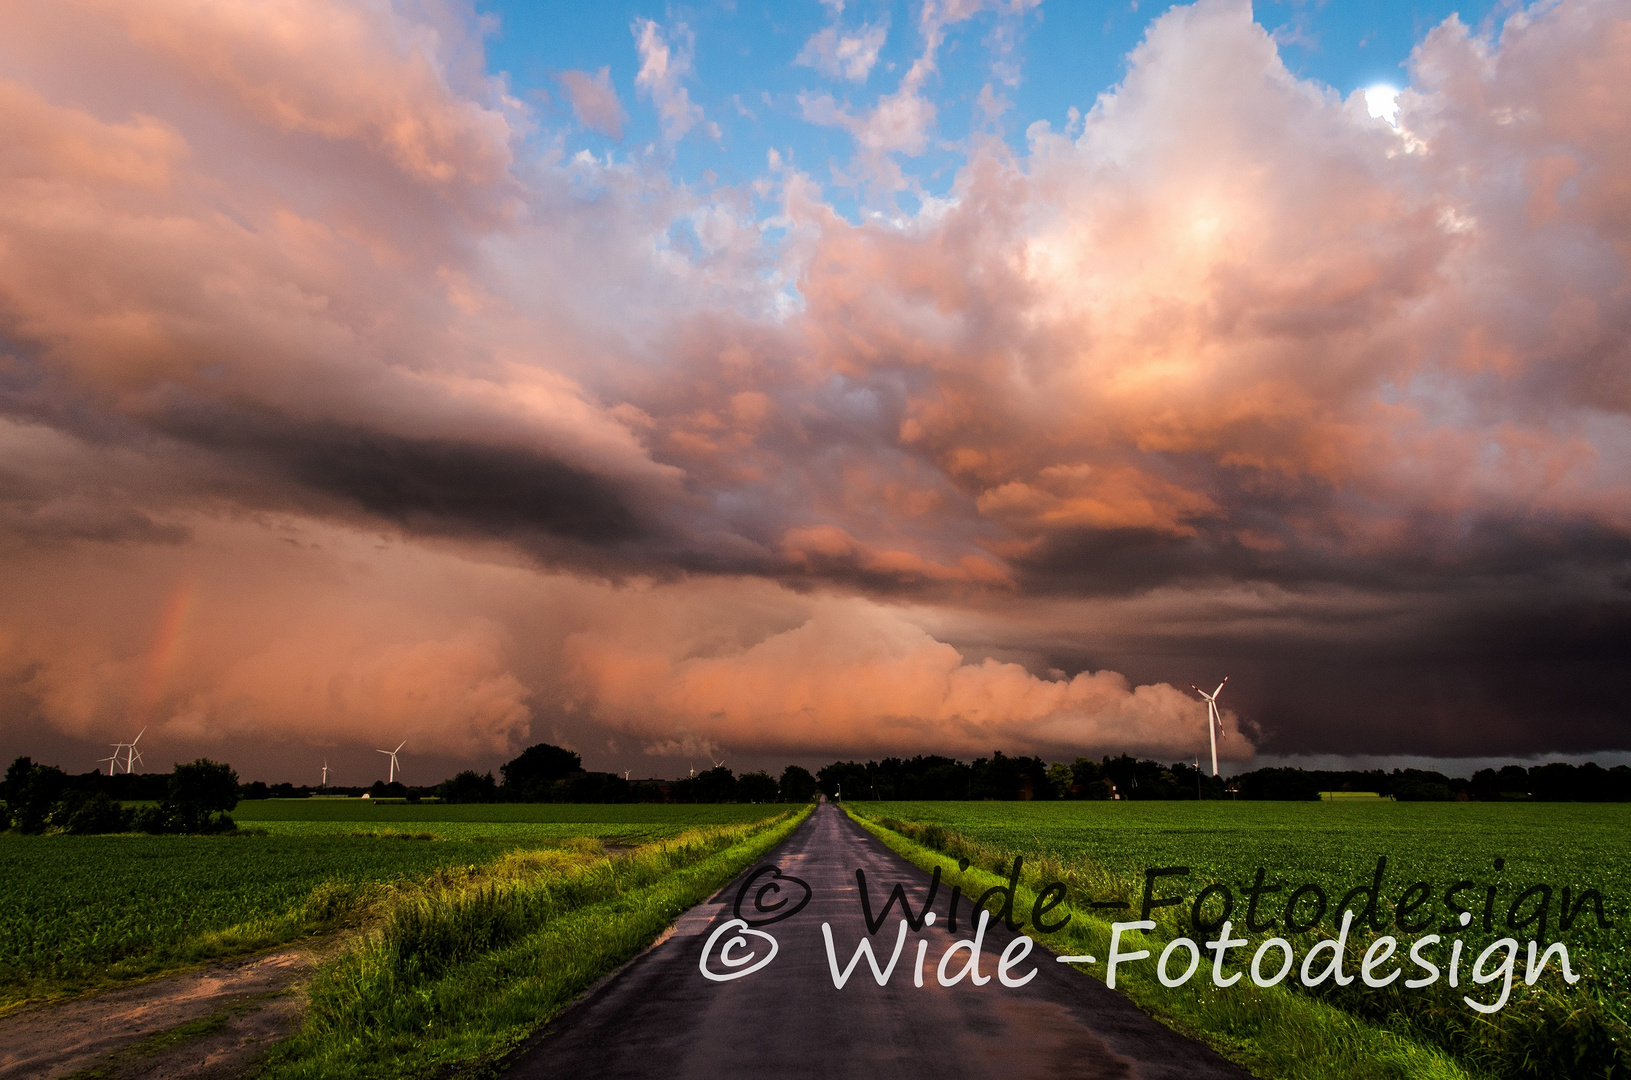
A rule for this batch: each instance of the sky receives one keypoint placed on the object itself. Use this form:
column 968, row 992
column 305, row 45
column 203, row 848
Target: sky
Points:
column 772, row 383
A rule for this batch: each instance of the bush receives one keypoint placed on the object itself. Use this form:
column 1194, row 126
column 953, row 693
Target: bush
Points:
column 153, row 819
column 1423, row 791
column 83, row 815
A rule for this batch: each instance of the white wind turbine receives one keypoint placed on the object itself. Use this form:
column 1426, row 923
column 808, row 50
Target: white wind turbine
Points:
column 325, row 773
column 392, row 754
column 1214, row 720
column 132, row 755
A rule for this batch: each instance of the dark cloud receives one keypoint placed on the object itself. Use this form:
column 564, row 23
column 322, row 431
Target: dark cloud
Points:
column 438, row 486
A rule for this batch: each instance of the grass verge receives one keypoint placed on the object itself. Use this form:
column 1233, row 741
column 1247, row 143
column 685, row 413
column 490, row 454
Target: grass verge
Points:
column 459, row 972
column 1271, row 1032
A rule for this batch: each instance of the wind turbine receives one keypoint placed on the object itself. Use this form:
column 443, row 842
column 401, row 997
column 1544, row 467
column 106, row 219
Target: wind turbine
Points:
column 1214, row 721
column 720, row 764
column 132, row 755
column 392, row 754
column 325, row 773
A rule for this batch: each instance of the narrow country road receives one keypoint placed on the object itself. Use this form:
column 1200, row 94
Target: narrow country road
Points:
column 659, row 1017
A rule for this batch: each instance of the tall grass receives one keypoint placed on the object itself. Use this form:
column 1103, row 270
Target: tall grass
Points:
column 1274, row 1033
column 461, row 969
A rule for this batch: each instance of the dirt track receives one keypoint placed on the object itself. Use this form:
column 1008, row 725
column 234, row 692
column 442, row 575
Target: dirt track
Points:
column 211, row 1023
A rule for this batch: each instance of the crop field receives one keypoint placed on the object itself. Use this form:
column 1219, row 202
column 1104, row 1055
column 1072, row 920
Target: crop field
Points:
column 77, row 911
column 1103, row 849
column 1328, row 842
column 504, row 823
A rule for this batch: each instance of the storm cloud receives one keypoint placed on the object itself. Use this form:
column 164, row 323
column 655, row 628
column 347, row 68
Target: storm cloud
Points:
column 302, row 312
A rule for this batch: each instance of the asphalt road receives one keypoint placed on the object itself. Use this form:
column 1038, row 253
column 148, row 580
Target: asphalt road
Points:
column 659, row 1017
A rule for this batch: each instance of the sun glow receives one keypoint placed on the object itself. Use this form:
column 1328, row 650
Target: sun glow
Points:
column 1382, row 101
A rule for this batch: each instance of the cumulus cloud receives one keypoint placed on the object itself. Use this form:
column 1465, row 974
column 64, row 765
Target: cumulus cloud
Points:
column 663, row 66
column 1233, row 336
column 594, row 101
column 902, row 121
column 840, row 55
column 858, row 678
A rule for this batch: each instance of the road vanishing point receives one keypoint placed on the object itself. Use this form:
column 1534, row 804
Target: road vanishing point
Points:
column 658, row 1016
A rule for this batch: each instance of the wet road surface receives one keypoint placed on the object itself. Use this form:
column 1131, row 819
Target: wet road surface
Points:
column 659, row 1017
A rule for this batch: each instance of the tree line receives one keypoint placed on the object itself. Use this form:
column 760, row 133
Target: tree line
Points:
column 197, row 796
column 546, row 773
column 193, row 798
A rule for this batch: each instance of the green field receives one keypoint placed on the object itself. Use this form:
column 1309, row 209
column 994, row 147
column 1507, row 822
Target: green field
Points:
column 503, row 823
column 1101, row 850
column 80, row 911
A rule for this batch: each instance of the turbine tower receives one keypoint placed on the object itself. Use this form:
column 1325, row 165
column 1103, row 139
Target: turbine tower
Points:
column 133, row 755
column 325, row 773
column 392, row 754
column 1214, row 720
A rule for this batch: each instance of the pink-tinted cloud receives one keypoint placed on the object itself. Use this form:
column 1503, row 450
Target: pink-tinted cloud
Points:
column 594, row 101
column 857, row 678
column 841, row 55
column 664, row 65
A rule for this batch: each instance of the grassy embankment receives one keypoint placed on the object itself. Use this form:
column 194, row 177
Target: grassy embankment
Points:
column 1100, row 851
column 82, row 912
column 460, row 972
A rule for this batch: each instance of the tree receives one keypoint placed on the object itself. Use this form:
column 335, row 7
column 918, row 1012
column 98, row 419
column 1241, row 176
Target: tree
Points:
column 530, row 775
column 797, row 785
column 756, row 787
column 200, row 790
column 32, row 793
column 718, row 784
column 468, row 787
column 844, row 779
